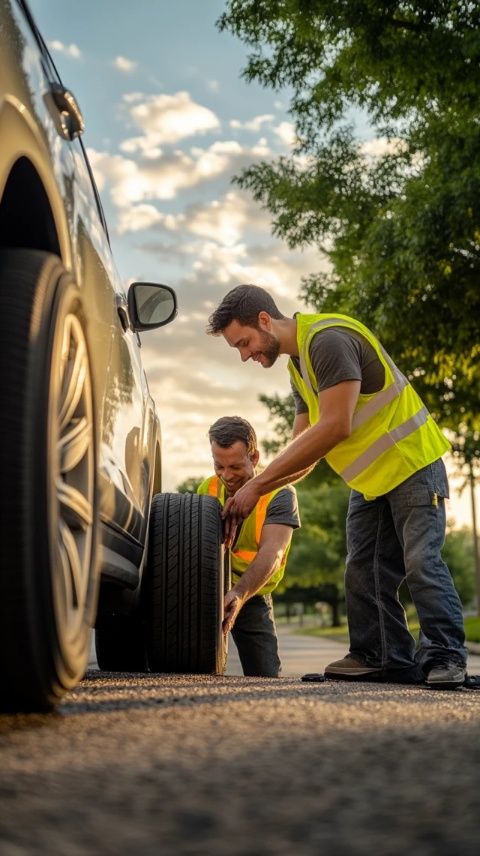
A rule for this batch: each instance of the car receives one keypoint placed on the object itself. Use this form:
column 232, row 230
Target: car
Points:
column 87, row 537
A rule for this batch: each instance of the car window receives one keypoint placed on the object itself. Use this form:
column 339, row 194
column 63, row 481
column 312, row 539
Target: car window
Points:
column 53, row 76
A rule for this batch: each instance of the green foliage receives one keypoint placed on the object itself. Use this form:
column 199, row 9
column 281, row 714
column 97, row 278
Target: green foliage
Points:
column 393, row 58
column 317, row 555
column 458, row 554
column 397, row 222
column 472, row 629
column 190, row 485
column 282, row 411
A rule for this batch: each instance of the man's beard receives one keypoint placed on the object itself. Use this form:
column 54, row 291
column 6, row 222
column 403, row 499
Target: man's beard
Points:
column 270, row 348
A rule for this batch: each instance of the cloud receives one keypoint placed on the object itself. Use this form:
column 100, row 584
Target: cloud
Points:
column 166, row 119
column 162, row 177
column 286, row 132
column 71, row 50
column 213, row 85
column 140, row 217
column 122, row 63
column 157, row 178
column 254, row 125
column 380, row 146
column 222, row 220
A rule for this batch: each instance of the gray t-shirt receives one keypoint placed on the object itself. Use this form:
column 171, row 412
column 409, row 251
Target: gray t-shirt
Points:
column 283, row 508
column 338, row 354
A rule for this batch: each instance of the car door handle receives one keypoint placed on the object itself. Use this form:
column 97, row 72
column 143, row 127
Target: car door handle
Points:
column 122, row 311
column 70, row 115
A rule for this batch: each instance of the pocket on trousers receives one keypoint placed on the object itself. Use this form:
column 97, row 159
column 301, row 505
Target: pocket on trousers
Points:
column 420, row 495
column 429, row 485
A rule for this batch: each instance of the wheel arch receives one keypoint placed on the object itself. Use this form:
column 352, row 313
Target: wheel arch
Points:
column 32, row 201
column 33, row 225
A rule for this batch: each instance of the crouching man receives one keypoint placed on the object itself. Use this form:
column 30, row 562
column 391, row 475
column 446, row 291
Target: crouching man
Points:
column 259, row 552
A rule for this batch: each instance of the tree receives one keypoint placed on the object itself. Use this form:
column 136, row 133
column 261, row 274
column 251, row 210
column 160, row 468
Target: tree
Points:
column 399, row 220
column 282, row 411
column 317, row 555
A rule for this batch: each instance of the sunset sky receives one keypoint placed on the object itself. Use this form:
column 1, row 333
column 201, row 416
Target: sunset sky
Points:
column 169, row 121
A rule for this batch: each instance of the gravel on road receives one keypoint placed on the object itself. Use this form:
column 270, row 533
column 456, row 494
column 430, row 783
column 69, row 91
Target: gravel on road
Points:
column 151, row 764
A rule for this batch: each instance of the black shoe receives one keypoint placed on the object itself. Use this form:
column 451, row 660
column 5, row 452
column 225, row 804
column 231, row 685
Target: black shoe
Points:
column 351, row 669
column 446, row 675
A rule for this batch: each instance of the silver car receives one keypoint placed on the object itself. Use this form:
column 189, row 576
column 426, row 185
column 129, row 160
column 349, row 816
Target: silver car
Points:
column 86, row 536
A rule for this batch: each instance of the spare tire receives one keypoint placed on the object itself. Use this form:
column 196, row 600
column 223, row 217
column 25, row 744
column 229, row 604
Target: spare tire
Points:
column 184, row 585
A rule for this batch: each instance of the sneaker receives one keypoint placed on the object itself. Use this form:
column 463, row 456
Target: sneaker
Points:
column 351, row 669
column 447, row 675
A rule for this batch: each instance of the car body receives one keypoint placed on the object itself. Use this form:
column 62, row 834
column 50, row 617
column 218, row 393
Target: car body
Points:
column 79, row 433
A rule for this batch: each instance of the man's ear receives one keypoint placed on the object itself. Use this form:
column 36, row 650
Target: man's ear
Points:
column 254, row 457
column 264, row 321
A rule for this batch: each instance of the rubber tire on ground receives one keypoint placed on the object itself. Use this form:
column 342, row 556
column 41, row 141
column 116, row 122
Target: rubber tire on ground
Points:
column 120, row 644
column 184, row 585
column 46, row 601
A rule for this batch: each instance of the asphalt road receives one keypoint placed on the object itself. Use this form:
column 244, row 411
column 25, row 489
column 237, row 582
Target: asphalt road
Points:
column 139, row 764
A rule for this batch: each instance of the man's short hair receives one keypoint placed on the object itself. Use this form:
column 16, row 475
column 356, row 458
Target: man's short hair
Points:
column 242, row 304
column 228, row 429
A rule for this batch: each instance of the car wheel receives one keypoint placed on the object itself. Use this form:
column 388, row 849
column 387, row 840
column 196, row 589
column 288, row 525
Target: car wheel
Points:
column 184, row 585
column 48, row 579
column 120, row 644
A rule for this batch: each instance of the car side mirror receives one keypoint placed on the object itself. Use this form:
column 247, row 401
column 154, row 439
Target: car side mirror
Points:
column 151, row 305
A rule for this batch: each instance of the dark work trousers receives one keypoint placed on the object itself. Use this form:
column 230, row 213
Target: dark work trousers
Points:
column 255, row 636
column 393, row 538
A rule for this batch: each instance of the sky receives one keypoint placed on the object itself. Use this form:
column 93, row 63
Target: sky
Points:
column 169, row 122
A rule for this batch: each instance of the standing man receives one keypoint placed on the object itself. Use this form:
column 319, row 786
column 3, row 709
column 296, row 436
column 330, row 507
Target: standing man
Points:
column 357, row 410
column 259, row 554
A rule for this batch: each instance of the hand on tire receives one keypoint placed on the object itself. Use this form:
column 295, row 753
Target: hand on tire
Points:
column 231, row 607
column 237, row 508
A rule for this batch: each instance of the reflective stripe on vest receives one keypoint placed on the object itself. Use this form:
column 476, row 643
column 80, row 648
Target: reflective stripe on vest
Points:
column 383, row 443
column 399, row 428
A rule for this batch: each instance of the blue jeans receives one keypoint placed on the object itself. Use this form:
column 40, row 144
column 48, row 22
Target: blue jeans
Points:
column 393, row 538
column 255, row 636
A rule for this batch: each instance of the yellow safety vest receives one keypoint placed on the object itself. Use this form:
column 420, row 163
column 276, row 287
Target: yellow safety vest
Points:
column 248, row 541
column 393, row 434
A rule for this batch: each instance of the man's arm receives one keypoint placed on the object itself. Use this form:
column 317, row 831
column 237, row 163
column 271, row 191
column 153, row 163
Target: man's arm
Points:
column 273, row 543
column 337, row 405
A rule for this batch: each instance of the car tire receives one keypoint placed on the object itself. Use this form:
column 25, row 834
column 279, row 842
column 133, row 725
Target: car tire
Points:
column 120, row 644
column 185, row 585
column 48, row 528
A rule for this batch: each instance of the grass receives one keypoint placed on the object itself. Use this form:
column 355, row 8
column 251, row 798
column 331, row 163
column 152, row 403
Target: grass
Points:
column 340, row 634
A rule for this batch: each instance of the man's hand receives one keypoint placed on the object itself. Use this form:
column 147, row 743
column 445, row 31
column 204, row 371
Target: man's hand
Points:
column 238, row 507
column 231, row 607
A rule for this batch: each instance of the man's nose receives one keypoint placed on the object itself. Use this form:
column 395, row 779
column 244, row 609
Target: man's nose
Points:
column 245, row 355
